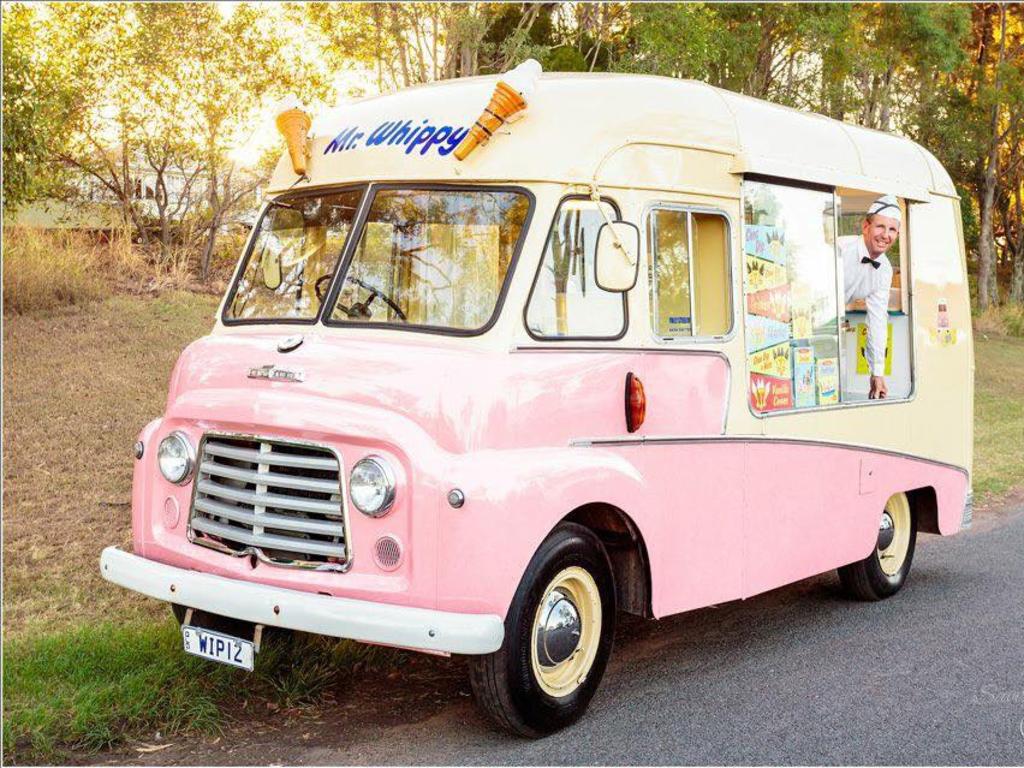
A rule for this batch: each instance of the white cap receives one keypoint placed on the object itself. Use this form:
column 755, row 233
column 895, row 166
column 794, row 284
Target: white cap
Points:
column 524, row 77
column 886, row 205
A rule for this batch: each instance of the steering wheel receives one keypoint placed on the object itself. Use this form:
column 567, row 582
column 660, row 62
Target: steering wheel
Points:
column 362, row 310
column 320, row 286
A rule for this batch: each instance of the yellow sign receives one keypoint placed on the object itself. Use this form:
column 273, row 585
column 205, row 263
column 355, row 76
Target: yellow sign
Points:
column 862, row 342
column 762, row 274
column 773, row 361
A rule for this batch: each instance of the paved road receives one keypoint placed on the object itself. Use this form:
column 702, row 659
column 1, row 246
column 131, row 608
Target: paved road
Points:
column 798, row 676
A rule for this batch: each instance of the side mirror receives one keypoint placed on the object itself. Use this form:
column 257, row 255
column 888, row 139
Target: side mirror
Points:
column 270, row 268
column 617, row 257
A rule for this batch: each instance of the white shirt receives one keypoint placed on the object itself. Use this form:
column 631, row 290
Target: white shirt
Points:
column 863, row 281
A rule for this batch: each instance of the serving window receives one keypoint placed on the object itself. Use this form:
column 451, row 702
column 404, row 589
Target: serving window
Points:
column 689, row 273
column 852, row 207
column 805, row 347
column 792, row 311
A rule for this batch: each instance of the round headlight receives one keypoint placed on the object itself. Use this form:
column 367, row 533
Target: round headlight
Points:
column 176, row 458
column 372, row 486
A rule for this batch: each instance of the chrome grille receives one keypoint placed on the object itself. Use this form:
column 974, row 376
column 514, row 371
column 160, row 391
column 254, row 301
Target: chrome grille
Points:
column 278, row 500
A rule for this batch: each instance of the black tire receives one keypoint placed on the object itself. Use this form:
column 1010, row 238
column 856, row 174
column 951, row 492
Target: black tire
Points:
column 866, row 579
column 505, row 683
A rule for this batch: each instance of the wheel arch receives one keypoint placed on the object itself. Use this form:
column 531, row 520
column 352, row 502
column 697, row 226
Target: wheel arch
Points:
column 627, row 550
column 924, row 503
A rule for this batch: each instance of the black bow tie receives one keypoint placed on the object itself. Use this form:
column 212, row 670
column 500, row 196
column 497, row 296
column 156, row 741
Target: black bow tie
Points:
column 872, row 262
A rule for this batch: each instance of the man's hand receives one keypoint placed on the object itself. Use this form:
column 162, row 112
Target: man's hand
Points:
column 879, row 390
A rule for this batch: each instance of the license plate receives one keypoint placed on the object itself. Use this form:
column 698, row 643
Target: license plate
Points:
column 218, row 647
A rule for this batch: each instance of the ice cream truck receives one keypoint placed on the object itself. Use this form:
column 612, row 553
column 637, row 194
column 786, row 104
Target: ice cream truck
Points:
column 505, row 356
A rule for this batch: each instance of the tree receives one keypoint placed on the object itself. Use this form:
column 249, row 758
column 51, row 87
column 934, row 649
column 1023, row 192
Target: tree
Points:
column 38, row 110
column 171, row 89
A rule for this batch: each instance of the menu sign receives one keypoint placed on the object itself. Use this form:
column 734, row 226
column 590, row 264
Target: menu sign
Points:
column 773, row 361
column 804, row 381
column 768, row 393
column 761, row 274
column 773, row 303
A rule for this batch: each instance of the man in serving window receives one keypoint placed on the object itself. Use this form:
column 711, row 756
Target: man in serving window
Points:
column 867, row 275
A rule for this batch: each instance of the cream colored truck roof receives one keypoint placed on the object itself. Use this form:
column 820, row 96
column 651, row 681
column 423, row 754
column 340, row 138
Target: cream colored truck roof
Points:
column 576, row 122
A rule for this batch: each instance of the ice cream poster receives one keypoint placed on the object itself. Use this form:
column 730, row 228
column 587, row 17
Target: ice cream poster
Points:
column 773, row 361
column 764, row 332
column 805, row 392
column 765, row 242
column 828, row 381
column 862, row 344
column 773, row 303
column 761, row 274
column 768, row 393
column 802, row 309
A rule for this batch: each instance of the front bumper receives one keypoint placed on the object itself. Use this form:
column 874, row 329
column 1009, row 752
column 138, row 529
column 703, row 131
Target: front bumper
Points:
column 407, row 627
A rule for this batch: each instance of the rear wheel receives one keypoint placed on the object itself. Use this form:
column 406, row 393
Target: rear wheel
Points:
column 558, row 636
column 883, row 572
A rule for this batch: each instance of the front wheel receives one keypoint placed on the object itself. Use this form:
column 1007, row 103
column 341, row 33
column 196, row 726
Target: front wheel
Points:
column 558, row 636
column 883, row 573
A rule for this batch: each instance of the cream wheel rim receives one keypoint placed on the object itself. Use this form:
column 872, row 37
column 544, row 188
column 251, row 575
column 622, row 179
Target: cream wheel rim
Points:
column 566, row 632
column 896, row 514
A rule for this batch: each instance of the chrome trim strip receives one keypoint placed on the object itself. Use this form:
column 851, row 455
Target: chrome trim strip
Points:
column 269, row 499
column 270, row 520
column 271, row 478
column 836, row 407
column 592, row 442
column 267, row 540
column 260, row 458
column 618, row 349
column 280, row 460
column 367, row 621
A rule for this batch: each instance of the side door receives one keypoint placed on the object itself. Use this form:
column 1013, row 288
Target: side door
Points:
column 792, row 514
column 693, row 473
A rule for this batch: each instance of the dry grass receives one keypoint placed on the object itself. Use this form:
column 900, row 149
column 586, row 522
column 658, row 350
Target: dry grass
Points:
column 78, row 386
column 998, row 415
column 1003, row 320
column 43, row 270
column 49, row 270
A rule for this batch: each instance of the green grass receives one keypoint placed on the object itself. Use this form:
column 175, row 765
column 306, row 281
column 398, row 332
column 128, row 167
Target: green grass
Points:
column 96, row 686
column 91, row 687
column 998, row 416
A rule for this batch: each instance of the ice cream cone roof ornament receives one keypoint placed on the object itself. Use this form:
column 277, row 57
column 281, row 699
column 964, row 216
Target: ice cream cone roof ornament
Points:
column 509, row 99
column 294, row 123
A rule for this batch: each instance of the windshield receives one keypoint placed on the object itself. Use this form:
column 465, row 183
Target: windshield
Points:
column 432, row 257
column 293, row 256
